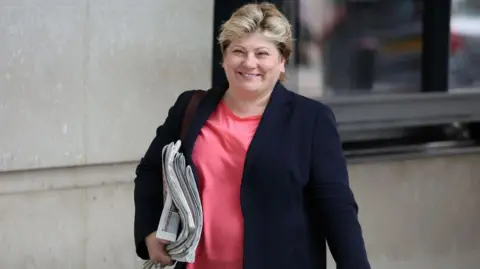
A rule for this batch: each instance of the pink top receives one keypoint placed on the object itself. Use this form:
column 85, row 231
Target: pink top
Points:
column 219, row 156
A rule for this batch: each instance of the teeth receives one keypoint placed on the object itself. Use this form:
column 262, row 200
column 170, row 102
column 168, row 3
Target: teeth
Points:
column 249, row 75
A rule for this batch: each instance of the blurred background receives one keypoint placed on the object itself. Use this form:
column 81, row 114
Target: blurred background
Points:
column 85, row 83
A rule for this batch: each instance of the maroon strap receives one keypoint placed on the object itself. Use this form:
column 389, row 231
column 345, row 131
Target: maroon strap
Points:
column 190, row 112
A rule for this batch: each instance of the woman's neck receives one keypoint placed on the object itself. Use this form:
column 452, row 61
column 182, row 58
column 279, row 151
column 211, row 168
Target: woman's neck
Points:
column 245, row 105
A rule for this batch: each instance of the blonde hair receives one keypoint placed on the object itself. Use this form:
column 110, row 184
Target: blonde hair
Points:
column 264, row 18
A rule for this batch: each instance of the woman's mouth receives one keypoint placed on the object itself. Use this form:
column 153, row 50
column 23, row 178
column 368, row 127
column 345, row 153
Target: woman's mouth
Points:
column 249, row 75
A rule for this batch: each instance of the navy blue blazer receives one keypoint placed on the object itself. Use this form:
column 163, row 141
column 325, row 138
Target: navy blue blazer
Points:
column 295, row 193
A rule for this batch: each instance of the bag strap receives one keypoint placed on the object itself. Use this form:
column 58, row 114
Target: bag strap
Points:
column 190, row 112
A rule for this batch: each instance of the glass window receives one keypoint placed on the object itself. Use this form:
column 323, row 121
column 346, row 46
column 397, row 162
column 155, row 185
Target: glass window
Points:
column 382, row 66
column 350, row 47
column 464, row 61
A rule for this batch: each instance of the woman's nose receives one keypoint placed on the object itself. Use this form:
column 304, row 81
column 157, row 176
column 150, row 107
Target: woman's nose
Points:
column 250, row 61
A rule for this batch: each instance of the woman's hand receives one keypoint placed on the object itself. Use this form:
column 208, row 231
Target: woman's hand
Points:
column 156, row 250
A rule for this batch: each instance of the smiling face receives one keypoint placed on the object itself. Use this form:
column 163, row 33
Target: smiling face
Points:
column 253, row 64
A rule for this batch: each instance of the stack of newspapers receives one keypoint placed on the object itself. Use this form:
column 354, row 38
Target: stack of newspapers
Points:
column 182, row 217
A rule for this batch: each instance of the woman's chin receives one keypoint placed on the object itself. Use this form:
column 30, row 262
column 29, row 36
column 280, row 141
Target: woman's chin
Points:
column 250, row 86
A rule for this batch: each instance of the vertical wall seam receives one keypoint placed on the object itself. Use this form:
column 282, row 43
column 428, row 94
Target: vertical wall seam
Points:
column 86, row 78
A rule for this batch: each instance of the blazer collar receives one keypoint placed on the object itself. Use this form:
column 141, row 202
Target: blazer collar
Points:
column 273, row 114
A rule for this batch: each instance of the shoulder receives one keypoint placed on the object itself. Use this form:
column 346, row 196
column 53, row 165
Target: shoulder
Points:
column 184, row 97
column 183, row 100
column 315, row 118
column 311, row 108
column 318, row 122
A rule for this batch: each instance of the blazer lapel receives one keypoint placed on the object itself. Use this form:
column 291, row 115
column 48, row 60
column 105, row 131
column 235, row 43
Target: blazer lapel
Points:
column 205, row 108
column 274, row 117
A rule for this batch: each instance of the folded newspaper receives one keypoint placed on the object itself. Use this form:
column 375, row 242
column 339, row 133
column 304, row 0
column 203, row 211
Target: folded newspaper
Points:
column 181, row 221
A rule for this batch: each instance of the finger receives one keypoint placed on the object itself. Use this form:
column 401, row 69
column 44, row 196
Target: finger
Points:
column 161, row 256
column 164, row 242
column 165, row 260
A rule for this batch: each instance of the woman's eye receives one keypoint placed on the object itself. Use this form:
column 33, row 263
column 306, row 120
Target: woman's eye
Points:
column 263, row 53
column 237, row 51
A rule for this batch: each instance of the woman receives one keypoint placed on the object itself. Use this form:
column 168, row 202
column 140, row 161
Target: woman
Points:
column 271, row 175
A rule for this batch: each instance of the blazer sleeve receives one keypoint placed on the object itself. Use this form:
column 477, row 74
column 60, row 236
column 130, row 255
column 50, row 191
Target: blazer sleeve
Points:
column 148, row 184
column 332, row 196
